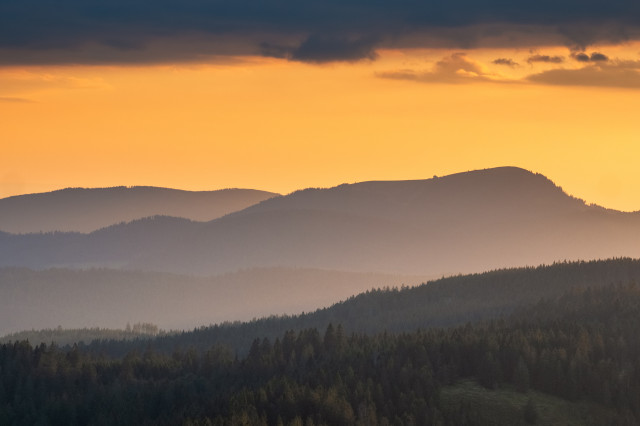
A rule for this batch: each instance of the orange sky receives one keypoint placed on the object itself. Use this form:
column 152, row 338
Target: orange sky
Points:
column 278, row 125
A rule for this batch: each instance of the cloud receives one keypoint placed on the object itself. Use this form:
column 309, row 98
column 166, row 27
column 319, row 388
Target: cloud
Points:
column 459, row 68
column 581, row 57
column 505, row 61
column 14, row 99
column 327, row 49
column 595, row 57
column 320, row 49
column 598, row 57
column 455, row 69
column 131, row 31
column 620, row 74
column 26, row 85
column 580, row 35
column 545, row 58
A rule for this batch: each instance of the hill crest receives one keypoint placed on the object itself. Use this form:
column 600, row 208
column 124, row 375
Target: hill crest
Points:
column 88, row 209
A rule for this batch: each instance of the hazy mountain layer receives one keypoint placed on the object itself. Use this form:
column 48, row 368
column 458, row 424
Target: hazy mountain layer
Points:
column 466, row 222
column 445, row 302
column 109, row 298
column 89, row 209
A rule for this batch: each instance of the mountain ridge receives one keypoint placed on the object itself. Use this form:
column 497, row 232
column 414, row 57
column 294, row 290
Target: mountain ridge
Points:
column 461, row 223
column 507, row 180
column 89, row 209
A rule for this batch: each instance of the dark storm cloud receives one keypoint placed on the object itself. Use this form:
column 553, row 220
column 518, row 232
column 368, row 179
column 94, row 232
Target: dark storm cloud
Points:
column 98, row 31
column 324, row 49
column 580, row 35
column 505, row 61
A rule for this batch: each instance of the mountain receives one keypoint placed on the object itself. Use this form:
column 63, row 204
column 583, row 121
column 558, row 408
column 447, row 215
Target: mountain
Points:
column 89, row 209
column 111, row 298
column 467, row 222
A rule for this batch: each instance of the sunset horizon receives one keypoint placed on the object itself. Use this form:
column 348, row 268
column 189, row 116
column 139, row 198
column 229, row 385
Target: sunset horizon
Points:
column 281, row 123
column 312, row 186
column 319, row 212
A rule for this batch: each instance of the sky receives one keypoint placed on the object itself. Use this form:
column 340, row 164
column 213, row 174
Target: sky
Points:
column 281, row 95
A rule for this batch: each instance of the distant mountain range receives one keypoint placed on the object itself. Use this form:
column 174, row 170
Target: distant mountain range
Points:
column 466, row 222
column 89, row 209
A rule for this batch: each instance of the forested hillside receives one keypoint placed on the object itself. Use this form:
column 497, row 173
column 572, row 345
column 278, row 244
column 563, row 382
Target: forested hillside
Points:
column 571, row 360
column 441, row 303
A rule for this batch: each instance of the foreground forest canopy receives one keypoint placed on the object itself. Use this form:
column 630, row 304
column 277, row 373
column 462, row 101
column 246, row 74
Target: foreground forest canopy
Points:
column 580, row 348
column 570, row 358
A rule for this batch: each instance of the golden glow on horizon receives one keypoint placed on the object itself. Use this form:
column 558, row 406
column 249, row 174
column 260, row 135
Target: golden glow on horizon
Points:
column 276, row 125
